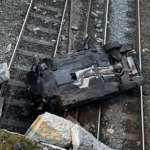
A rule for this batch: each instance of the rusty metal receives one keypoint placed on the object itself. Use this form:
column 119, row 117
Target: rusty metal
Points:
column 87, row 20
column 70, row 31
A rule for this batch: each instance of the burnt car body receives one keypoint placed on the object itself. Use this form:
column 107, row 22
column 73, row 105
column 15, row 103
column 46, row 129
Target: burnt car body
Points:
column 80, row 77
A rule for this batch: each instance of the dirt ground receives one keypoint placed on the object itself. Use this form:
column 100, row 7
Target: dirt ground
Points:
column 10, row 25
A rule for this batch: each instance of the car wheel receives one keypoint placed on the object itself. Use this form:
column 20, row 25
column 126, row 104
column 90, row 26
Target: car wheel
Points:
column 107, row 47
column 127, row 86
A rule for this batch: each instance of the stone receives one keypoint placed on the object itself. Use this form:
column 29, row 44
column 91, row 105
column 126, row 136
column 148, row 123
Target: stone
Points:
column 51, row 129
column 94, row 14
column 54, row 131
column 83, row 140
column 63, row 38
column 74, row 27
column 110, row 132
column 58, row 16
column 4, row 73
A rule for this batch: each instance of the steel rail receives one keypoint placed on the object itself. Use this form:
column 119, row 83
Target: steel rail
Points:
column 60, row 28
column 140, row 64
column 21, row 32
column 87, row 20
column 105, row 35
column 70, row 31
column 106, row 22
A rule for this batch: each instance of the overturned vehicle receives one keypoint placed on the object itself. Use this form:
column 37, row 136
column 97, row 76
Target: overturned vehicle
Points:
column 80, row 77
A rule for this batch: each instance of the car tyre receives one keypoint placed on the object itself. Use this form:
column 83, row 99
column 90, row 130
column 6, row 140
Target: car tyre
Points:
column 107, row 47
column 127, row 86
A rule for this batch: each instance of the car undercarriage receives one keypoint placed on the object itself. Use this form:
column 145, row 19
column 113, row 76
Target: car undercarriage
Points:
column 83, row 76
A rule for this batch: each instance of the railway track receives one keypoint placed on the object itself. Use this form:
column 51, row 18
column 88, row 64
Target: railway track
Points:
column 124, row 114
column 40, row 35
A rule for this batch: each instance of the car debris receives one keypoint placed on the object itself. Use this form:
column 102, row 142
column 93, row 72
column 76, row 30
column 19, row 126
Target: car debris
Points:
column 54, row 130
column 98, row 25
column 77, row 78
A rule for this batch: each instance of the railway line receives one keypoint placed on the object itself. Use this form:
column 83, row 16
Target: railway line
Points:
column 45, row 23
column 124, row 114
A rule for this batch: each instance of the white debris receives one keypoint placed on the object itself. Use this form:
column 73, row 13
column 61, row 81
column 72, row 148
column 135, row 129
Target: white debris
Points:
column 110, row 132
column 36, row 29
column 4, row 72
column 145, row 50
column 8, row 48
column 36, row 8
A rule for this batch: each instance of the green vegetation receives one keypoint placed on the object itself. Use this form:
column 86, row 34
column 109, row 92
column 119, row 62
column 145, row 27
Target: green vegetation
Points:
column 8, row 140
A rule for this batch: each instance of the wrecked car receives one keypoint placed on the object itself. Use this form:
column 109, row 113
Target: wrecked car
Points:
column 83, row 76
